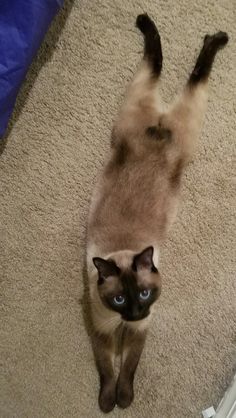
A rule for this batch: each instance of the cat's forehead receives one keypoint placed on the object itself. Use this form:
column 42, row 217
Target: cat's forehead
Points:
column 144, row 278
column 139, row 280
column 111, row 286
column 124, row 259
column 123, row 283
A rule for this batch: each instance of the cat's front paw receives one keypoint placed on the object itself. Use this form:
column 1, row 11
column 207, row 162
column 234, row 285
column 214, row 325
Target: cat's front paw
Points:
column 107, row 397
column 124, row 394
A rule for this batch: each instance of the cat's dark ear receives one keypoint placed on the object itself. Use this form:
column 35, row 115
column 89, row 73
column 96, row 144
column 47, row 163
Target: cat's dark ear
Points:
column 105, row 268
column 144, row 260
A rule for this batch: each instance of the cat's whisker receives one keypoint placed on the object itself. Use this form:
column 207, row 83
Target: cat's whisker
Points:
column 102, row 329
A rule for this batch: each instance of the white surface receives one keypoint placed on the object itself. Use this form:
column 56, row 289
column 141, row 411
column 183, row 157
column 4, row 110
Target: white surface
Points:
column 209, row 412
column 227, row 407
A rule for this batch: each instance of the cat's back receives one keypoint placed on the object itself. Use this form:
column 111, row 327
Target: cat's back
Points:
column 135, row 199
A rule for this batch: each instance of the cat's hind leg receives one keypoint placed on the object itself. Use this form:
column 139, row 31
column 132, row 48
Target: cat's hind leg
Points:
column 152, row 44
column 211, row 45
column 142, row 104
column 185, row 116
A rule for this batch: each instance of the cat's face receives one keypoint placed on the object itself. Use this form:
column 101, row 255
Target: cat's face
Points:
column 132, row 290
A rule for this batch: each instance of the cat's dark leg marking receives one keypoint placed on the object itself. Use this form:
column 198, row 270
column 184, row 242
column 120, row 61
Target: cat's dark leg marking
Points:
column 212, row 44
column 152, row 43
column 121, row 153
column 176, row 174
column 159, row 133
column 103, row 347
column 186, row 115
column 133, row 344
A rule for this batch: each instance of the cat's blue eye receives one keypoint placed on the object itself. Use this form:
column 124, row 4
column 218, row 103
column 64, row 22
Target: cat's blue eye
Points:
column 145, row 294
column 119, row 300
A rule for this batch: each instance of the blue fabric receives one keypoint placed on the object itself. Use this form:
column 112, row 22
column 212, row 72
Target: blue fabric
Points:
column 23, row 24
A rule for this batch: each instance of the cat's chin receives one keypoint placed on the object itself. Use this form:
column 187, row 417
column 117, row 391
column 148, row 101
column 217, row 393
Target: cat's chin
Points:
column 136, row 320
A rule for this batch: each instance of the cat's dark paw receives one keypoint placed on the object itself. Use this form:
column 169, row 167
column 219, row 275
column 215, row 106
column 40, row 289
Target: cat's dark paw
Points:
column 145, row 24
column 217, row 41
column 124, row 395
column 107, row 398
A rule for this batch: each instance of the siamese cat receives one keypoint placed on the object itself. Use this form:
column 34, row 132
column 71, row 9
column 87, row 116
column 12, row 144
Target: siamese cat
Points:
column 133, row 207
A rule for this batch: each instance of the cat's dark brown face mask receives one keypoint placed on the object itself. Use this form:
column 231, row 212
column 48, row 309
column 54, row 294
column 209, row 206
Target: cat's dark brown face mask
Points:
column 130, row 291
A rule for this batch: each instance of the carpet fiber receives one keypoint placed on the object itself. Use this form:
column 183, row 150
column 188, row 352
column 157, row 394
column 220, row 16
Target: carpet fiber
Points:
column 56, row 144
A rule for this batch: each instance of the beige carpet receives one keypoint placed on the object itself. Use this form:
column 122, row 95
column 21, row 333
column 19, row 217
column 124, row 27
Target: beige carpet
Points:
column 57, row 144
